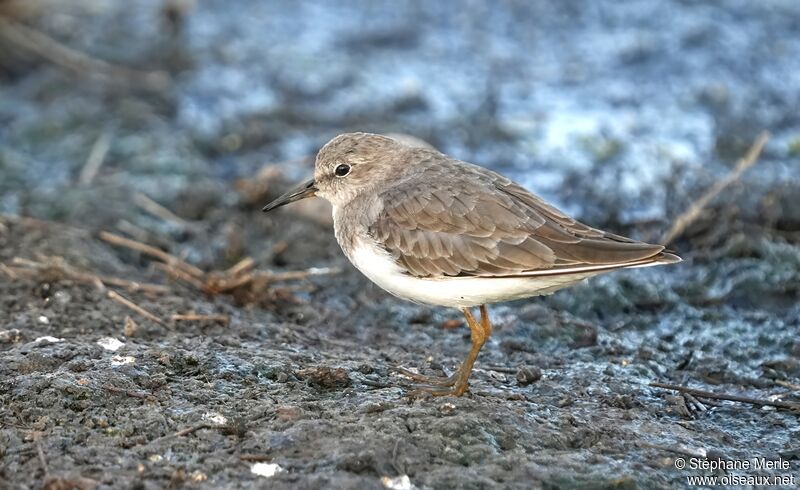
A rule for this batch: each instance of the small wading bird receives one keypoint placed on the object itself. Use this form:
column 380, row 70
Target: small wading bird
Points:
column 432, row 229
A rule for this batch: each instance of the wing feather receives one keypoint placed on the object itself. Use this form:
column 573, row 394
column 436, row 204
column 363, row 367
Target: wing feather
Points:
column 457, row 219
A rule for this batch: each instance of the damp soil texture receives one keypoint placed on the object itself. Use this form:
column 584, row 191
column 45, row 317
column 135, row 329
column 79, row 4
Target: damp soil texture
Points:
column 158, row 122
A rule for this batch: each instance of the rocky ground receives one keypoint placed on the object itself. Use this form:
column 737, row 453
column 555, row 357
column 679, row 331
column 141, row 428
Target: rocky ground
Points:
column 622, row 114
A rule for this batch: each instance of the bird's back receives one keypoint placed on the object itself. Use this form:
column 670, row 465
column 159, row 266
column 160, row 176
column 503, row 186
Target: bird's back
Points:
column 450, row 218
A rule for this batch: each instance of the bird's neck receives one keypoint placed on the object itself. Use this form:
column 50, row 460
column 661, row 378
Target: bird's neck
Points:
column 351, row 219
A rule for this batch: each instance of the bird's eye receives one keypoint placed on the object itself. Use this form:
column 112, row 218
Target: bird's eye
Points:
column 342, row 170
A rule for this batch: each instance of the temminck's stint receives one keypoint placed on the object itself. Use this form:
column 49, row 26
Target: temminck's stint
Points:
column 432, row 229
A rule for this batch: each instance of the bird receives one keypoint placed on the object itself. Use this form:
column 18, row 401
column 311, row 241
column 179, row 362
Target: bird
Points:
column 435, row 230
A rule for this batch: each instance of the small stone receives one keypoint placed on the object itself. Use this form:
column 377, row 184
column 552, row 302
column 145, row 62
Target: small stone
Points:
column 452, row 324
column 62, row 297
column 130, row 327
column 288, row 413
column 267, row 470
column 47, row 339
column 110, row 343
column 402, row 482
column 447, row 408
column 325, row 377
column 215, row 418
column 529, row 374
column 122, row 360
column 12, row 336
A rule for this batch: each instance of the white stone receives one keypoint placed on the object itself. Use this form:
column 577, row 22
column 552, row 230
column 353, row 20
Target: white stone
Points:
column 267, row 470
column 110, row 343
column 398, row 483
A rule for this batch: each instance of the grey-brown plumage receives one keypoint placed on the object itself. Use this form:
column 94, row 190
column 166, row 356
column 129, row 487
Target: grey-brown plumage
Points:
column 457, row 219
column 432, row 229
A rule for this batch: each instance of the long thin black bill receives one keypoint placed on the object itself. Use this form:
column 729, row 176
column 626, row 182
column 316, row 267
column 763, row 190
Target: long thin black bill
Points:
column 302, row 191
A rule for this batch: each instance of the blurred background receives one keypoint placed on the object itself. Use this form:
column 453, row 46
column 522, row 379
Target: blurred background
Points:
column 172, row 122
column 618, row 113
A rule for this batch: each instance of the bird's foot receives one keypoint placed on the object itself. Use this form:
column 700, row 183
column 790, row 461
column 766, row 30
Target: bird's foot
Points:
column 458, row 383
column 428, row 380
column 453, row 385
column 422, row 390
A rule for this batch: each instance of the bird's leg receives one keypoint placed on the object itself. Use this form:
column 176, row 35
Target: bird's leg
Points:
column 487, row 326
column 458, row 383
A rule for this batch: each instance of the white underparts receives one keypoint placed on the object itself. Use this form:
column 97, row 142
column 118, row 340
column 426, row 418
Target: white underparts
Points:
column 459, row 292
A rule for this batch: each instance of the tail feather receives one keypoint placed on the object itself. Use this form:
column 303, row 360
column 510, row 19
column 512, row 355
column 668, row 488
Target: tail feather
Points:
column 661, row 258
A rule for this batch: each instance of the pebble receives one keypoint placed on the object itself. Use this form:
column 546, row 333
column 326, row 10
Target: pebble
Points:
column 528, row 374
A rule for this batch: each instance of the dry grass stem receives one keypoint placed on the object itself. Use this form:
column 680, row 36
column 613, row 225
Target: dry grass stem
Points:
column 40, row 453
column 159, row 211
column 243, row 265
column 42, row 45
column 241, row 280
column 690, row 215
column 179, row 275
column 724, row 396
column 787, row 384
column 96, row 158
column 113, row 295
column 191, row 317
column 58, row 268
column 154, row 252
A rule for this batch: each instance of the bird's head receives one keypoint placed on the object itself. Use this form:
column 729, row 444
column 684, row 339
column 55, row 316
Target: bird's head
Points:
column 349, row 165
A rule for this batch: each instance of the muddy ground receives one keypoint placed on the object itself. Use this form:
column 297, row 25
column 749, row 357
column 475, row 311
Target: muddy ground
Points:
column 621, row 113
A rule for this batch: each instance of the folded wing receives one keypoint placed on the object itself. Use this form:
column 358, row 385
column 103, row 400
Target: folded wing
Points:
column 475, row 222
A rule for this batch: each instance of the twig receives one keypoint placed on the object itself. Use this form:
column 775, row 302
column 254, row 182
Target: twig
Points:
column 75, row 61
column 255, row 458
column 185, row 432
column 374, row 384
column 245, row 264
column 134, row 231
column 159, row 254
column 228, row 282
column 238, row 276
column 787, row 384
column 503, row 369
column 9, row 272
column 159, row 211
column 291, row 275
column 181, row 275
column 134, row 286
column 135, row 394
column 724, row 396
column 690, row 215
column 692, row 404
column 224, row 319
column 40, row 452
column 133, row 306
column 225, row 284
column 96, row 158
column 33, row 269
column 26, row 262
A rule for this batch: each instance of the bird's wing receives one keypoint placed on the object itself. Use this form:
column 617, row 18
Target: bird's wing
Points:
column 475, row 222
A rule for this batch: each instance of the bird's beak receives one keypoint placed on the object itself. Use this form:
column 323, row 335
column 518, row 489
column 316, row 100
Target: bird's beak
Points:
column 302, row 191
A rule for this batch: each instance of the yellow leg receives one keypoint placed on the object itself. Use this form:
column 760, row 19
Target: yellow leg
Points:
column 458, row 383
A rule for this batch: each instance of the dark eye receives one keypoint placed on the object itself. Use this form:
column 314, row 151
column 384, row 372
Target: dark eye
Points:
column 342, row 170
